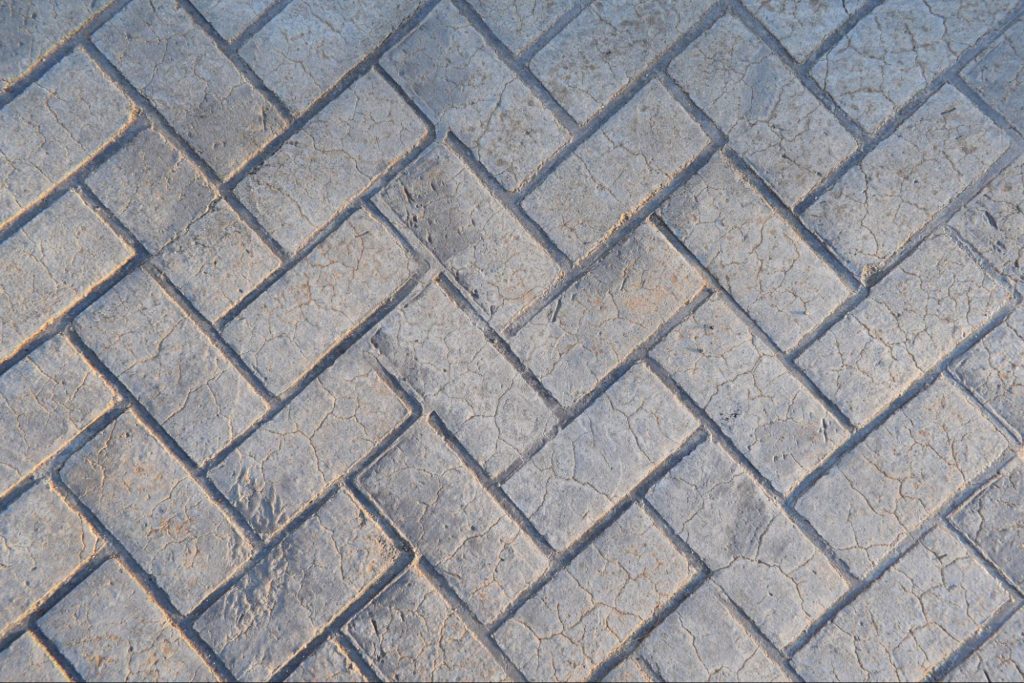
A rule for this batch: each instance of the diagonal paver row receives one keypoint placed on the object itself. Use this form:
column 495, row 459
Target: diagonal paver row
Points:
column 540, row 339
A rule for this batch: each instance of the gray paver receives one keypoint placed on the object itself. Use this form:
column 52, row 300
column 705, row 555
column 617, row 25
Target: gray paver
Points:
column 786, row 134
column 901, row 474
column 42, row 543
column 997, row 74
column 577, row 619
column 1001, row 658
column 893, row 52
column 334, row 422
column 435, row 501
column 294, row 592
column 600, row 456
column 753, row 253
column 150, row 503
column 752, row 396
column 607, row 45
column 223, row 116
column 478, row 394
column 51, row 263
column 311, row 44
column 291, row 325
column 409, row 633
column 110, row 630
column 903, row 183
column 993, row 371
column 486, row 248
column 230, row 18
column 26, row 660
column 53, row 126
column 175, row 371
column 447, row 65
column 330, row 160
column 755, row 552
column 920, row 311
column 909, row 621
column 799, row 25
column 328, row 663
column 518, row 23
column 46, row 400
column 994, row 521
column 610, row 175
column 574, row 341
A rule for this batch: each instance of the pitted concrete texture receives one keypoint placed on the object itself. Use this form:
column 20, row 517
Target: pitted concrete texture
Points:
column 554, row 340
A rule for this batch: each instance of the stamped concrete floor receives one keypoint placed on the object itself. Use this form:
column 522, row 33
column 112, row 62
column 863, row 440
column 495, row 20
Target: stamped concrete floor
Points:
column 511, row 339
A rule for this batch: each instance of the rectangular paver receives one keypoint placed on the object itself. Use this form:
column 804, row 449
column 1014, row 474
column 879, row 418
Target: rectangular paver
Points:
column 575, row 621
column 622, row 165
column 753, row 252
column 171, row 366
column 311, row 44
column 755, row 552
column 46, row 400
column 993, row 370
column 110, row 630
column 480, row 396
column 53, row 126
column 488, row 251
column 293, row 593
column 993, row 519
column 518, row 23
column 447, row 65
column 150, row 503
column 893, row 52
column 328, row 662
column 600, row 456
column 922, row 609
column 220, row 113
column 919, row 312
column 996, row 74
column 785, row 133
column 578, row 338
column 26, row 660
column 799, row 25
column 606, row 46
column 437, row 502
column 230, row 18
column 330, row 160
column 50, row 264
column 334, row 422
column 410, row 633
column 335, row 288
column 901, row 474
column 42, row 543
column 753, row 397
column 903, row 183
column 1000, row 658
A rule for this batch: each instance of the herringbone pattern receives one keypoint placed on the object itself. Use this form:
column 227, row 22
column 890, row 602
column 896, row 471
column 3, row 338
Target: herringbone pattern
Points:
column 526, row 339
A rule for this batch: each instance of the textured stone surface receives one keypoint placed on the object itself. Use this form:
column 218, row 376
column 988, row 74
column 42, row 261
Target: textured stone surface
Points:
column 1001, row 658
column 901, row 474
column 148, row 501
column 490, row 408
column 921, row 310
column 893, row 52
column 801, row 25
column 606, row 46
column 599, row 457
column 518, row 23
column 291, row 325
column 754, row 254
column 327, row 663
column 297, row 589
column 486, row 248
column 788, row 136
column 998, row 74
column 110, row 630
column 42, row 542
column 175, row 371
column 903, row 626
column 447, row 65
column 755, row 552
column 223, row 116
column 318, row 171
column 577, row 618
column 26, row 660
column 46, row 400
column 435, row 501
column 50, row 264
column 994, row 521
column 900, row 185
column 574, row 341
column 53, row 126
column 409, row 633
column 230, row 18
column 994, row 371
column 609, row 176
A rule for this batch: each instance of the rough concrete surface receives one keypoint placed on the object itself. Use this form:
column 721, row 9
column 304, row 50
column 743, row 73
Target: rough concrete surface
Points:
column 473, row 340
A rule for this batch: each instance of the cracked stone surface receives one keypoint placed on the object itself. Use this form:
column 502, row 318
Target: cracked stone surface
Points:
column 444, row 340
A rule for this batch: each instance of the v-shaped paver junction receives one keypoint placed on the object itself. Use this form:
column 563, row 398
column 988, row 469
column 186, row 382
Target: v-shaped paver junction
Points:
column 624, row 340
